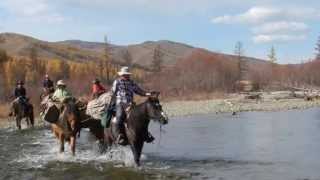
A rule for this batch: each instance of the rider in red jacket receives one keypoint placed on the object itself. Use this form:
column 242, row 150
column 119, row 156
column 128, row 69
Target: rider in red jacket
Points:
column 97, row 89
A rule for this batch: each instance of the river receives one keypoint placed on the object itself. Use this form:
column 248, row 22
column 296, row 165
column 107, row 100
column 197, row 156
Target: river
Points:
column 248, row 146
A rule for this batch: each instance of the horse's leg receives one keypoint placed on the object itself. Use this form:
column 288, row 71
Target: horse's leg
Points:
column 31, row 117
column 136, row 148
column 61, row 139
column 18, row 122
column 28, row 121
column 73, row 144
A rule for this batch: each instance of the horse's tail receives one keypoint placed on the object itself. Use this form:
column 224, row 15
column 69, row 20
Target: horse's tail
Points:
column 14, row 108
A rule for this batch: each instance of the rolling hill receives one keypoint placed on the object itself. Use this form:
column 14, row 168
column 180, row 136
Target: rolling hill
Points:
column 82, row 51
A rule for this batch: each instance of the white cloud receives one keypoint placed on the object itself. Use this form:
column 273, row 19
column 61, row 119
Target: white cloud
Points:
column 280, row 27
column 264, row 38
column 259, row 14
column 273, row 24
column 32, row 10
column 252, row 16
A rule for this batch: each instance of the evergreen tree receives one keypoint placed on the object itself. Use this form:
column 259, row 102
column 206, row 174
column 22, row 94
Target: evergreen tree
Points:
column 272, row 55
column 318, row 49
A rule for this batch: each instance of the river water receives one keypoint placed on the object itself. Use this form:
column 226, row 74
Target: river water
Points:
column 253, row 145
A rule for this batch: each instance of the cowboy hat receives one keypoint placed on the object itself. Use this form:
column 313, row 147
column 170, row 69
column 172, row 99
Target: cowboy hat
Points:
column 61, row 83
column 124, row 71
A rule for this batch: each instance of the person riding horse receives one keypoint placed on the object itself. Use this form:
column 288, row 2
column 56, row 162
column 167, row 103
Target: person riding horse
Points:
column 48, row 85
column 61, row 93
column 20, row 95
column 122, row 91
column 97, row 89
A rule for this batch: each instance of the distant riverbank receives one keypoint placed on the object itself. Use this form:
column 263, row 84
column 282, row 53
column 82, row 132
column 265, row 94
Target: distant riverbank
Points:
column 233, row 103
column 236, row 104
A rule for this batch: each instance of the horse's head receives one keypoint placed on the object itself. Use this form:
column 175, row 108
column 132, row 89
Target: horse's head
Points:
column 71, row 113
column 154, row 108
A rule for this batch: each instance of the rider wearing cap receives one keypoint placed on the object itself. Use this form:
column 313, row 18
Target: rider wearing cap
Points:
column 123, row 89
column 61, row 93
column 97, row 88
column 20, row 91
column 20, row 94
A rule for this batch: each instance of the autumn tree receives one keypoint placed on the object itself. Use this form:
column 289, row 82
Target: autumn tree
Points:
column 36, row 66
column 157, row 61
column 65, row 69
column 107, row 59
column 318, row 49
column 3, row 57
column 127, row 58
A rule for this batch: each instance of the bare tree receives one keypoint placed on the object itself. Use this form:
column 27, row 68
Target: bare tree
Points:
column 127, row 58
column 157, row 61
column 242, row 65
column 107, row 56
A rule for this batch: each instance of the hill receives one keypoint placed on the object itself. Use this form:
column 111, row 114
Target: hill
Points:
column 83, row 51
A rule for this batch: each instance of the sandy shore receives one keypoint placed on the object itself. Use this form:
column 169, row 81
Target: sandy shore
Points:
column 238, row 104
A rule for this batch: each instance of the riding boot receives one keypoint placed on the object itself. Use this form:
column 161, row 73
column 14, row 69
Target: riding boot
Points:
column 120, row 135
column 120, row 116
column 149, row 138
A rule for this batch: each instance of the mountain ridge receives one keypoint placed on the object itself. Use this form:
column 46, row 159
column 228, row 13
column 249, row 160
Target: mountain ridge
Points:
column 79, row 50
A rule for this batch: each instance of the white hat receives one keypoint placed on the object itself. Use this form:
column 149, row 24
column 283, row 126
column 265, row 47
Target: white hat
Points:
column 61, row 83
column 124, row 71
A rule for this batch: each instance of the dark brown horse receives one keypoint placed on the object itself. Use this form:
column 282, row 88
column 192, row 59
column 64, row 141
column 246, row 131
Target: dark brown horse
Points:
column 67, row 126
column 22, row 111
column 137, row 123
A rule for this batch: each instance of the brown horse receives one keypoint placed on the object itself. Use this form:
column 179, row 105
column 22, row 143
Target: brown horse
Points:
column 137, row 123
column 19, row 111
column 67, row 126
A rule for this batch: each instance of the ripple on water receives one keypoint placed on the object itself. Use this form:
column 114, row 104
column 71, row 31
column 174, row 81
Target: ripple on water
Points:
column 38, row 153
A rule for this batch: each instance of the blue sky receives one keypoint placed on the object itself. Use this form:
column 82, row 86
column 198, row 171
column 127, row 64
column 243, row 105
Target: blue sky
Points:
column 291, row 26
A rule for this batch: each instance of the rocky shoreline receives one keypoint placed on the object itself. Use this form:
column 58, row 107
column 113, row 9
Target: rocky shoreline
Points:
column 236, row 105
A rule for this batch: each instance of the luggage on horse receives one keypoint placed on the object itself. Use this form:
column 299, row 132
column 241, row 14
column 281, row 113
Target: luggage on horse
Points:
column 51, row 114
column 99, row 109
column 50, row 110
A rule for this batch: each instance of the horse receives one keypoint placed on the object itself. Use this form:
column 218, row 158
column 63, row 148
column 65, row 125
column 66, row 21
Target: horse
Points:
column 67, row 126
column 22, row 111
column 136, row 125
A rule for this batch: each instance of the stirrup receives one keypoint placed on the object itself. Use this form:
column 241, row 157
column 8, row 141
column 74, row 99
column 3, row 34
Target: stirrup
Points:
column 149, row 138
column 121, row 140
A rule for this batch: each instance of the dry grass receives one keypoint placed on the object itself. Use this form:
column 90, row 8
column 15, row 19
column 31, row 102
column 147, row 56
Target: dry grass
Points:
column 4, row 111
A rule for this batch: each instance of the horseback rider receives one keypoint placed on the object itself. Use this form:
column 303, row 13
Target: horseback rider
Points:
column 123, row 90
column 48, row 86
column 97, row 88
column 20, row 95
column 61, row 93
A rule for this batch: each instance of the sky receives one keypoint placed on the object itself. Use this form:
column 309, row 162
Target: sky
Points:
column 291, row 26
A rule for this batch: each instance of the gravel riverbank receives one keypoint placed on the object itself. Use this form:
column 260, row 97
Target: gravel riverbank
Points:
column 187, row 108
